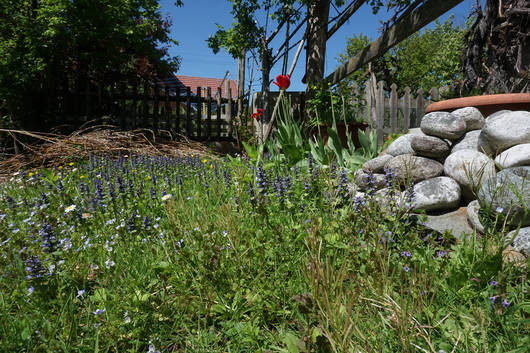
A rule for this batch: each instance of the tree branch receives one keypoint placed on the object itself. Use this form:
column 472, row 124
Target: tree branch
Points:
column 348, row 12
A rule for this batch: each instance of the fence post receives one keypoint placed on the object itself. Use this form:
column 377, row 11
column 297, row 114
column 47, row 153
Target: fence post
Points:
column 406, row 108
column 380, row 111
column 188, row 111
column 199, row 111
column 420, row 107
column 393, row 108
column 208, row 112
column 218, row 111
column 167, row 109
column 156, row 107
column 229, row 103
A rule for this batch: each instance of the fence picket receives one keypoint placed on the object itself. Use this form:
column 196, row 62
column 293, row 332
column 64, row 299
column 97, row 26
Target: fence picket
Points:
column 406, row 108
column 219, row 111
column 208, row 113
column 188, row 111
column 420, row 108
column 393, row 108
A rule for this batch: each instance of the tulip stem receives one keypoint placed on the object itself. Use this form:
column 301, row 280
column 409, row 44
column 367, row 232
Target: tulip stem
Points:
column 277, row 104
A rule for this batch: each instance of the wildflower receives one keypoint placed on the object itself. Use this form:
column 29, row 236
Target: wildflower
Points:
column 257, row 115
column 69, row 209
column 406, row 268
column 499, row 209
column 505, row 303
column 406, row 253
column 80, row 293
column 99, row 311
column 283, row 81
column 493, row 283
column 86, row 215
column 166, row 197
column 441, row 253
column 126, row 317
column 31, row 289
column 152, row 349
column 492, row 299
column 109, row 263
column 110, row 221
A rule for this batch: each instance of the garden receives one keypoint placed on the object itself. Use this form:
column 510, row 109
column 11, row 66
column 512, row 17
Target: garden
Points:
column 269, row 251
column 308, row 237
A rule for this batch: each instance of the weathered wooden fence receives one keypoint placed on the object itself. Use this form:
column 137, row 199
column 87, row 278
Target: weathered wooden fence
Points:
column 201, row 114
column 387, row 113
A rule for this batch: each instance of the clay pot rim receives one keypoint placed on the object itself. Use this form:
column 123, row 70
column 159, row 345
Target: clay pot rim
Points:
column 481, row 101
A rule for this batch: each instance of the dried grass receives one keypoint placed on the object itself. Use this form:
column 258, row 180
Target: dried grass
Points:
column 51, row 150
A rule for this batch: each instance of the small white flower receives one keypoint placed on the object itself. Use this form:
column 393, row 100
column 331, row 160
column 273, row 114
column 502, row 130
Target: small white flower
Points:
column 166, row 197
column 109, row 263
column 69, row 209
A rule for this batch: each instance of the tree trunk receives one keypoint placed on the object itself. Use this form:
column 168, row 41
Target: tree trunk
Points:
column 240, row 85
column 497, row 53
column 317, row 26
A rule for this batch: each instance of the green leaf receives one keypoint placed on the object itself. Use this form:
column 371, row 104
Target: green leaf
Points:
column 26, row 333
column 291, row 341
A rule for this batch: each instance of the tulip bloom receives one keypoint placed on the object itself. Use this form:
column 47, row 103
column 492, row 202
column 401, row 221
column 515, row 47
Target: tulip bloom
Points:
column 257, row 115
column 283, row 81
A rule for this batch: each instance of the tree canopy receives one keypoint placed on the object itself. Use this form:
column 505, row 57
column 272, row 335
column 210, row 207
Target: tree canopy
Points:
column 426, row 59
column 53, row 42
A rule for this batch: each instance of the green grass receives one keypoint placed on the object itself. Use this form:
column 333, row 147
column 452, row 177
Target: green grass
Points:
column 178, row 255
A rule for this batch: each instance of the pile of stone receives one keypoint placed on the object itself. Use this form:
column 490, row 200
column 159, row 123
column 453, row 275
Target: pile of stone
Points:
column 453, row 161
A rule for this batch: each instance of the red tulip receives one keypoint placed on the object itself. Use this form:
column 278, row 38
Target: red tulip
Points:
column 257, row 115
column 283, row 81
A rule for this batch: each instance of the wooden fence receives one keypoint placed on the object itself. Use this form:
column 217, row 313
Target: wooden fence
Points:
column 199, row 114
column 387, row 113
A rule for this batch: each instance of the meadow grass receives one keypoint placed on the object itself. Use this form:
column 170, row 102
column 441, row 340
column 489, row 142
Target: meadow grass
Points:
column 147, row 254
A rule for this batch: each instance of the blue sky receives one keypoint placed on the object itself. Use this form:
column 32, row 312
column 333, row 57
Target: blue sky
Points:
column 196, row 21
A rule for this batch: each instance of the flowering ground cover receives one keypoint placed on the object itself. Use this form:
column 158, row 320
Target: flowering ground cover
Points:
column 147, row 254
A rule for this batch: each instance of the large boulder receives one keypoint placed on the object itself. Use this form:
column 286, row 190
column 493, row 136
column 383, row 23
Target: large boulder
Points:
column 455, row 222
column 413, row 168
column 508, row 192
column 400, row 146
column 505, row 130
column 469, row 168
column 514, row 156
column 440, row 193
column 520, row 240
column 472, row 116
column 377, row 164
column 468, row 142
column 444, row 125
column 430, row 146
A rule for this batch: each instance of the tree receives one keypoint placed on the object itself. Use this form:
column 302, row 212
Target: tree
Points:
column 426, row 59
column 52, row 43
column 497, row 50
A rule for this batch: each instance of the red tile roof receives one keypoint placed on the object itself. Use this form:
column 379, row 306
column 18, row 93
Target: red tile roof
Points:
column 213, row 83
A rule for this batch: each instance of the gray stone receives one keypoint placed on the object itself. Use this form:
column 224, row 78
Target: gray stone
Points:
column 444, row 125
column 400, row 146
column 429, row 146
column 440, row 193
column 520, row 240
column 413, row 168
column 454, row 222
column 377, row 164
column 468, row 142
column 499, row 112
column 504, row 131
column 508, row 192
column 362, row 180
column 472, row 216
column 415, row 131
column 515, row 156
column 469, row 168
column 472, row 116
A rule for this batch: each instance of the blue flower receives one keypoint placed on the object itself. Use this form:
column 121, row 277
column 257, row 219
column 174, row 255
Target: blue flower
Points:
column 406, row 268
column 505, row 303
column 493, row 283
column 492, row 299
column 99, row 311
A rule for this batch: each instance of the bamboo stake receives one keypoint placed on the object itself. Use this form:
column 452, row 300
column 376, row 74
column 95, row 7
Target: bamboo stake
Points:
column 277, row 104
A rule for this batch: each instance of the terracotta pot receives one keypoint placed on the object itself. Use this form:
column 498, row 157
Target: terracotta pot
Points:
column 487, row 104
column 353, row 129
